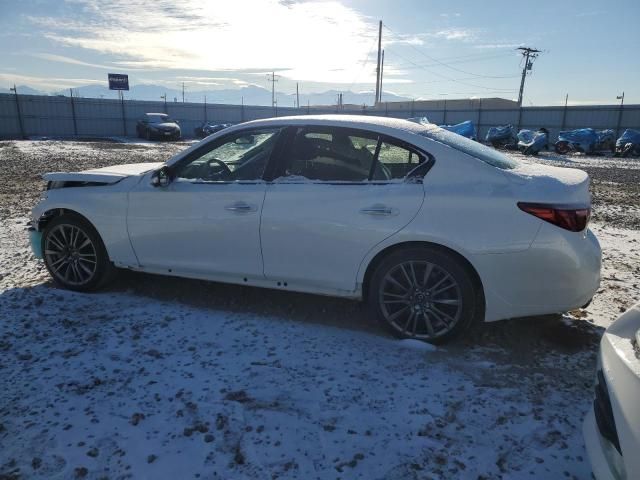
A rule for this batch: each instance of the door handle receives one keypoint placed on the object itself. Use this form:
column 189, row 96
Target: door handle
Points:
column 378, row 211
column 240, row 207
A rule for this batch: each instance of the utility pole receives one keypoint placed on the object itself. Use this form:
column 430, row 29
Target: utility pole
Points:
column 273, row 79
column 73, row 113
column 529, row 55
column 182, row 92
column 164, row 97
column 378, row 67
column 15, row 90
column 297, row 95
column 381, row 74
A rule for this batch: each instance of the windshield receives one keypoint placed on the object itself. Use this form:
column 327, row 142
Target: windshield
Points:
column 471, row 147
column 158, row 118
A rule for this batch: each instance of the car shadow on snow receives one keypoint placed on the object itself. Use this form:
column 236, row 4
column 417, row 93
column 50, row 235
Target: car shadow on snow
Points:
column 531, row 335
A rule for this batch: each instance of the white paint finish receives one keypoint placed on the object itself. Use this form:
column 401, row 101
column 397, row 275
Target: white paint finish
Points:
column 318, row 234
column 621, row 369
column 197, row 227
column 105, row 207
column 316, row 238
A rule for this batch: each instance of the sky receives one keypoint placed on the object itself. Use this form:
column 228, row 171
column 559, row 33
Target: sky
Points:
column 433, row 49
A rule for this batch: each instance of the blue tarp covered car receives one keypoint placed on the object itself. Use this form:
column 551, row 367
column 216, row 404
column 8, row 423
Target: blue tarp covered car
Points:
column 585, row 140
column 501, row 136
column 530, row 142
column 466, row 129
column 628, row 143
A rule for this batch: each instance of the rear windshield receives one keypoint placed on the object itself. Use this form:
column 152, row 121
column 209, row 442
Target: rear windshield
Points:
column 471, row 147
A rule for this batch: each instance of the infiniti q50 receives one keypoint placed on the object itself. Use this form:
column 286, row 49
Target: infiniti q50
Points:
column 432, row 230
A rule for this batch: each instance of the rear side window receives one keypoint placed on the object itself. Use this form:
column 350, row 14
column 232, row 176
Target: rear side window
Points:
column 395, row 162
column 334, row 154
column 331, row 156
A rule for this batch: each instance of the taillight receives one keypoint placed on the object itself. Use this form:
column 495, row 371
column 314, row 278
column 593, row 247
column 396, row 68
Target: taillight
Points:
column 572, row 219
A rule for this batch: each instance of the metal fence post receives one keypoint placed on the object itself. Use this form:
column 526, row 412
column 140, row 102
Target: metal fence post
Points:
column 564, row 112
column 124, row 120
column 519, row 118
column 15, row 90
column 73, row 113
column 619, row 124
column 444, row 113
column 479, row 116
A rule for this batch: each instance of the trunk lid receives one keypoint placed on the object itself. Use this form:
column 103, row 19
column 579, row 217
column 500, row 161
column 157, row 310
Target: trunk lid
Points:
column 547, row 184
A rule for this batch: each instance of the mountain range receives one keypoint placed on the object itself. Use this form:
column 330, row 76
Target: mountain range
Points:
column 250, row 95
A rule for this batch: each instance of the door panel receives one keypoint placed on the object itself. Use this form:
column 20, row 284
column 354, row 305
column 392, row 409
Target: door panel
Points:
column 317, row 233
column 207, row 221
column 198, row 227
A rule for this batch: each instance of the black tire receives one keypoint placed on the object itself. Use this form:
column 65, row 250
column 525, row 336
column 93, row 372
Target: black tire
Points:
column 562, row 148
column 83, row 265
column 148, row 135
column 423, row 311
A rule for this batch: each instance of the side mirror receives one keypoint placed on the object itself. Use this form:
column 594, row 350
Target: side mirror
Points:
column 161, row 178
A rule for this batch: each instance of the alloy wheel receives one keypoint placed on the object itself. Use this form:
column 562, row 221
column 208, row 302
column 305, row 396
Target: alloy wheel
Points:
column 420, row 299
column 70, row 254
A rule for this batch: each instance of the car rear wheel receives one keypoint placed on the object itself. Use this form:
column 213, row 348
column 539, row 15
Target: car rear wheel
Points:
column 424, row 294
column 75, row 255
column 562, row 147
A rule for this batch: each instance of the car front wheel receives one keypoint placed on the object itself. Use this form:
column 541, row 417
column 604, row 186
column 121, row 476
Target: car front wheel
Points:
column 424, row 294
column 75, row 255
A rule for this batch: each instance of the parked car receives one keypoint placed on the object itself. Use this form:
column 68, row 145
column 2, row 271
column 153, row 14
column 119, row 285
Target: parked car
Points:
column 466, row 129
column 532, row 142
column 585, row 140
column 209, row 128
column 611, row 428
column 158, row 126
column 628, row 143
column 432, row 230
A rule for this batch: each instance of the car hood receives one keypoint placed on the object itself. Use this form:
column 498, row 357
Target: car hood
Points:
column 103, row 175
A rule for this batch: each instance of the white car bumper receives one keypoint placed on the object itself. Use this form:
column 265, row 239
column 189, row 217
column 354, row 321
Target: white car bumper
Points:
column 612, row 427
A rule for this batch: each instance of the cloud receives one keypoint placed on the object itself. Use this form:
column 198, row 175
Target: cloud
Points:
column 69, row 60
column 455, row 34
column 47, row 83
column 322, row 41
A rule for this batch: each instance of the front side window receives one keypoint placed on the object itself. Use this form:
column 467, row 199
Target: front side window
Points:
column 241, row 156
column 330, row 154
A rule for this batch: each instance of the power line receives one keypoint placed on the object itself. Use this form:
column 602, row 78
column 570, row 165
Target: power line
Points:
column 443, row 64
column 453, row 79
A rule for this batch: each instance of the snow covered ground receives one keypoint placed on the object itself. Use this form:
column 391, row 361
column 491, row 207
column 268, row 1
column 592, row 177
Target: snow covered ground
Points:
column 169, row 378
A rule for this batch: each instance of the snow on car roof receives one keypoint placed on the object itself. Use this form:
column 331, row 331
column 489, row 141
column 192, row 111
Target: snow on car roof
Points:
column 355, row 121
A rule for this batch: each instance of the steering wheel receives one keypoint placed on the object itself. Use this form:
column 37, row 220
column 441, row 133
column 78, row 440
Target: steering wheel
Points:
column 217, row 173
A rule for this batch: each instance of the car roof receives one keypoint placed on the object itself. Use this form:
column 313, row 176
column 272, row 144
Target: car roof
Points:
column 365, row 122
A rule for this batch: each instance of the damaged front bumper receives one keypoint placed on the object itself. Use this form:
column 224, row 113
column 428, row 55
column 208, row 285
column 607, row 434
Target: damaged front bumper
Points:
column 35, row 238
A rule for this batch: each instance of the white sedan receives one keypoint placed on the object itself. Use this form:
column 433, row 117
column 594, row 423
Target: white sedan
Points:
column 432, row 230
column 612, row 427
